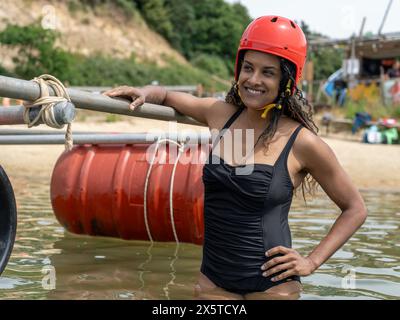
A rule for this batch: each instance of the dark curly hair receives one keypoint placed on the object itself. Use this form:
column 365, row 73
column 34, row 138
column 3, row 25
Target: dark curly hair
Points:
column 293, row 105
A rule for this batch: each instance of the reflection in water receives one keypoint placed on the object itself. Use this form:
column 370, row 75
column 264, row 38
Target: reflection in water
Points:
column 105, row 268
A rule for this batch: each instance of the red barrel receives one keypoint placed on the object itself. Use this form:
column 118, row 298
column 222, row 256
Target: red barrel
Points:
column 99, row 190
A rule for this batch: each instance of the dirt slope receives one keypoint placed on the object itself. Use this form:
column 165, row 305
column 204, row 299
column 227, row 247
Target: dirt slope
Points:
column 105, row 30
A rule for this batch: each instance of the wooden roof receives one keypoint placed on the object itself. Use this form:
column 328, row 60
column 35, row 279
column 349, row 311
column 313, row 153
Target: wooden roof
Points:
column 375, row 47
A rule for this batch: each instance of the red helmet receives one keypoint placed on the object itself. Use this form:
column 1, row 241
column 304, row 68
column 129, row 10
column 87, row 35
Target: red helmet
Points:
column 276, row 35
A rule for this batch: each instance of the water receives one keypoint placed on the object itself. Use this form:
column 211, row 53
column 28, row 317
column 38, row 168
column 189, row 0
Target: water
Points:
column 106, row 268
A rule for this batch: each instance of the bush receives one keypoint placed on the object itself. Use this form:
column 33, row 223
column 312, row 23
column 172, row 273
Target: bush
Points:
column 37, row 55
column 396, row 111
column 377, row 110
column 352, row 107
column 36, row 52
column 4, row 72
column 211, row 63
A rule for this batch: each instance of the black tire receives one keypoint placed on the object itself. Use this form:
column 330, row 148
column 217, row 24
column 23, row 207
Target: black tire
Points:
column 8, row 219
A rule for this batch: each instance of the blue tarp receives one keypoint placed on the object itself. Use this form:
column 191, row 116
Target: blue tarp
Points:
column 329, row 86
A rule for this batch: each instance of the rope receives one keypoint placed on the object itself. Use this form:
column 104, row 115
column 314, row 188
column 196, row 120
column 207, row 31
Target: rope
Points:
column 181, row 149
column 46, row 113
column 172, row 273
column 142, row 266
column 171, row 189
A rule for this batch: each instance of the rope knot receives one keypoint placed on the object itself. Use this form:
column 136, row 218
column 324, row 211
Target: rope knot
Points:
column 47, row 102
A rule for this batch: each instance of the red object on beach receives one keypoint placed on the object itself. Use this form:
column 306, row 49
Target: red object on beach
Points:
column 100, row 190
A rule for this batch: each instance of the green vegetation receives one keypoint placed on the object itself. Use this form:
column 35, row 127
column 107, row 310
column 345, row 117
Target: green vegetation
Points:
column 4, row 72
column 36, row 49
column 211, row 63
column 376, row 110
column 326, row 60
column 37, row 55
column 112, row 117
column 206, row 32
column 367, row 97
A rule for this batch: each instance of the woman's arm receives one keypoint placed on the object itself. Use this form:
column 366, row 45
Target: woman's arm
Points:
column 200, row 109
column 318, row 159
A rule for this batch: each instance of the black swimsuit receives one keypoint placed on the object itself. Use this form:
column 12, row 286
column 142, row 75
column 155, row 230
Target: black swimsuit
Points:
column 244, row 216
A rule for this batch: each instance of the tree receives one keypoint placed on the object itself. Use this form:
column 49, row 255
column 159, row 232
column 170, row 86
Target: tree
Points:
column 209, row 27
column 325, row 60
column 36, row 52
column 218, row 28
column 181, row 15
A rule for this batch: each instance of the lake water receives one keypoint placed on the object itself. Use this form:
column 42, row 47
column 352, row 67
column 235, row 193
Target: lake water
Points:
column 367, row 267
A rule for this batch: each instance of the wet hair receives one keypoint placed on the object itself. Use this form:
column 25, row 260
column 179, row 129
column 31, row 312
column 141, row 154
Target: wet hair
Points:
column 294, row 106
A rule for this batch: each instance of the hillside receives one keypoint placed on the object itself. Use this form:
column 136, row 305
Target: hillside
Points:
column 86, row 31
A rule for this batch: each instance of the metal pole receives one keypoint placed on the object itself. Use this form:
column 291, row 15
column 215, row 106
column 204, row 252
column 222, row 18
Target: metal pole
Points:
column 352, row 78
column 384, row 17
column 29, row 90
column 120, row 138
column 64, row 113
column 361, row 33
column 29, row 132
column 189, row 89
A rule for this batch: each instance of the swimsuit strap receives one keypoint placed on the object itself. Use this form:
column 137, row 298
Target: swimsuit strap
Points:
column 289, row 144
column 226, row 126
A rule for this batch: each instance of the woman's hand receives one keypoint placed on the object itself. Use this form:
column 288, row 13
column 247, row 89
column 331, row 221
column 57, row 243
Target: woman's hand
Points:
column 291, row 261
column 137, row 95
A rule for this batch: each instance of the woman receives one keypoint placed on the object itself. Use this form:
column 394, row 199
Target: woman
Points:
column 247, row 250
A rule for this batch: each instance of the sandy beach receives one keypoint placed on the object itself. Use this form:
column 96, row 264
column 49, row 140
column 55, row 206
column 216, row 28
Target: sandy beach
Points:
column 374, row 167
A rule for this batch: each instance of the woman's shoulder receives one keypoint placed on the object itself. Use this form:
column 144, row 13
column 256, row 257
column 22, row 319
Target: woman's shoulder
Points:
column 289, row 125
column 308, row 146
column 306, row 138
column 220, row 113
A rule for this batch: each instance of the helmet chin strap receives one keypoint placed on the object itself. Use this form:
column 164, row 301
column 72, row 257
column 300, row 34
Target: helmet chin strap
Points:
column 269, row 107
column 266, row 108
column 277, row 105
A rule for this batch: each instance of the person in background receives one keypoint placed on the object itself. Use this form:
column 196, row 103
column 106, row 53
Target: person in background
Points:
column 394, row 71
column 340, row 86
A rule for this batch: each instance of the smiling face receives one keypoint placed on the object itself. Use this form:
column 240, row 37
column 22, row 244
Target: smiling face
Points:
column 259, row 79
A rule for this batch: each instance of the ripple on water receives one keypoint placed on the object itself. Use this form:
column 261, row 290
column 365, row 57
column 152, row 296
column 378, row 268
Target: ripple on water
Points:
column 368, row 250
column 10, row 283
